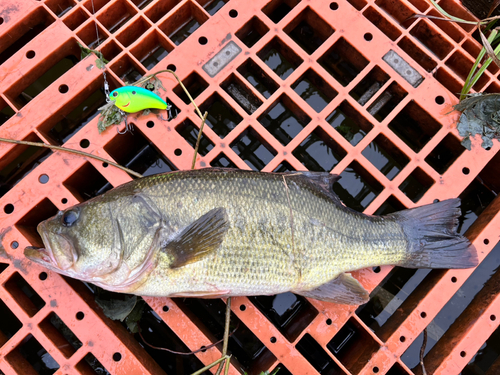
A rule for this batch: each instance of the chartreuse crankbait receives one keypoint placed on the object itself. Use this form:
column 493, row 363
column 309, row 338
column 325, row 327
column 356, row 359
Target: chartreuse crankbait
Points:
column 133, row 99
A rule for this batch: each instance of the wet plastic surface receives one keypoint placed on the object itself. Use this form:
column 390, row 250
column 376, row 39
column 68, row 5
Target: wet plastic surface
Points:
column 306, row 88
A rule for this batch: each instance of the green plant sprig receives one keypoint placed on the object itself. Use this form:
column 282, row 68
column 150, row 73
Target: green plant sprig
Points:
column 457, row 19
column 476, row 71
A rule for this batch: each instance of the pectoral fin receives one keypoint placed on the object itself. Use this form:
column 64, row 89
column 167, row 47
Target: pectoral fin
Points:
column 199, row 239
column 344, row 289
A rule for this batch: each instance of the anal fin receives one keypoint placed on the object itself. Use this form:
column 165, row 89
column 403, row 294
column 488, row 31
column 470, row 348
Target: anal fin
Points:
column 344, row 289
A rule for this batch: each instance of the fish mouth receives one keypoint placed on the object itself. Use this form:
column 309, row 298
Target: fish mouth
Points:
column 46, row 256
column 126, row 105
column 39, row 255
column 46, row 259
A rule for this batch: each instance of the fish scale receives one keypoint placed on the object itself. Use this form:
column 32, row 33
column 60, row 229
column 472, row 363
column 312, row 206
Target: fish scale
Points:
column 223, row 232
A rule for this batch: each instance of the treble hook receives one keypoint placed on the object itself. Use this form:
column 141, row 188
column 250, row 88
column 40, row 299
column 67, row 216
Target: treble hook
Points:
column 128, row 127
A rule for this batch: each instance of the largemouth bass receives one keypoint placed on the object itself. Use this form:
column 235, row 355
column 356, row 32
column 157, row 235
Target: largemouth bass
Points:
column 223, row 232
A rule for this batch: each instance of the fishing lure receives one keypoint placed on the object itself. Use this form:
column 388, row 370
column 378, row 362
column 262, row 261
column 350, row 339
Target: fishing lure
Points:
column 133, row 99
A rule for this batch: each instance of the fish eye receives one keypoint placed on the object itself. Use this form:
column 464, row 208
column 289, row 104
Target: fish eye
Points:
column 70, row 217
column 133, row 93
column 115, row 94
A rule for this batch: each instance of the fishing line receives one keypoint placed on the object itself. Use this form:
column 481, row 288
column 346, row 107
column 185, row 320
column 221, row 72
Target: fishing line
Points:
column 106, row 85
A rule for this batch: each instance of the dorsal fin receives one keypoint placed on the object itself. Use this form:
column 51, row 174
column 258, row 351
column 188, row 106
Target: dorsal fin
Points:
column 322, row 180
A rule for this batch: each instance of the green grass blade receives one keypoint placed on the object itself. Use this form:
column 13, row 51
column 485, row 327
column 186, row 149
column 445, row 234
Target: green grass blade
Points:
column 446, row 14
column 489, row 26
column 467, row 84
column 473, row 77
column 484, row 67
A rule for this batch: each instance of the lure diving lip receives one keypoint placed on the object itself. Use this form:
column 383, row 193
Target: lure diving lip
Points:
column 133, row 99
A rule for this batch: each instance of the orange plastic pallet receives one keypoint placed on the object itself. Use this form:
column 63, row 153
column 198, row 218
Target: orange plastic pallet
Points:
column 356, row 87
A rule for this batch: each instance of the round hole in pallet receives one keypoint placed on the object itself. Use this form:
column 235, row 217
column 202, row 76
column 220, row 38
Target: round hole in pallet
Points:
column 30, row 54
column 233, row 13
column 202, row 40
column 368, row 36
column 376, row 269
column 486, row 241
column 1, row 20
column 43, row 276
column 80, row 315
column 43, row 179
column 165, row 308
column 273, row 340
column 117, row 357
column 423, row 314
column 402, row 339
column 463, row 354
column 84, row 143
column 63, row 89
column 493, row 318
column 439, row 100
column 64, row 200
column 150, row 124
column 376, row 370
column 14, row 245
column 465, row 170
column 453, row 279
column 329, row 322
column 243, row 307
column 171, row 67
column 8, row 208
column 334, row 6
column 105, row 165
column 178, row 152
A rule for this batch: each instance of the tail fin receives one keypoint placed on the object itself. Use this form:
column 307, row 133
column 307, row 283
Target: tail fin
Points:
column 433, row 239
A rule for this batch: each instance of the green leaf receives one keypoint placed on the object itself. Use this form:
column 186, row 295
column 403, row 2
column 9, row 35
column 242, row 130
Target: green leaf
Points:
column 116, row 307
column 84, row 51
column 267, row 372
column 153, row 84
column 110, row 115
column 132, row 320
column 100, row 64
